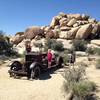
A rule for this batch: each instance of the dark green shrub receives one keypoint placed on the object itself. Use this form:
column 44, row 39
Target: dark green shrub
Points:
column 54, row 45
column 90, row 51
column 79, row 45
column 93, row 51
column 65, row 59
column 6, row 46
column 39, row 45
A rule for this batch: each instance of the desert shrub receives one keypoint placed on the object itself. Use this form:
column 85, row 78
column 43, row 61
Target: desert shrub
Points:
column 77, row 84
column 12, row 53
column 79, row 45
column 65, row 55
column 82, row 64
column 90, row 50
column 97, row 51
column 93, row 51
column 58, row 46
column 83, row 89
column 54, row 45
column 74, row 74
column 39, row 45
column 97, row 64
column 65, row 59
column 6, row 46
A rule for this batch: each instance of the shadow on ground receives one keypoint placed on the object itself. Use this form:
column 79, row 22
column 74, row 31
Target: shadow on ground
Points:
column 47, row 74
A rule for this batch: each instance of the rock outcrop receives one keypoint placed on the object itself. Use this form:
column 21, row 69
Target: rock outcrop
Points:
column 96, row 42
column 32, row 32
column 64, row 27
column 17, row 39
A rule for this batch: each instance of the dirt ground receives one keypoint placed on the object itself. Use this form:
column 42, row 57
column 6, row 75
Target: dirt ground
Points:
column 49, row 87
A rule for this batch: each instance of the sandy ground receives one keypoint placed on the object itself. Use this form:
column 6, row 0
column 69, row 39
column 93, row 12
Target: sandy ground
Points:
column 49, row 87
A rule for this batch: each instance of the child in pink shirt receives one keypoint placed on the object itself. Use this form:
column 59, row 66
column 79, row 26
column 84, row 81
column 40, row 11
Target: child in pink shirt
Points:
column 49, row 56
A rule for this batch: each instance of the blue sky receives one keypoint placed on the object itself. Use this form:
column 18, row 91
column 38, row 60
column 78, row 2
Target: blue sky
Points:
column 17, row 15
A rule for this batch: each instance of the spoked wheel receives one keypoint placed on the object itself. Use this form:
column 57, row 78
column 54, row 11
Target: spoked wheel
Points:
column 15, row 66
column 12, row 74
column 35, row 72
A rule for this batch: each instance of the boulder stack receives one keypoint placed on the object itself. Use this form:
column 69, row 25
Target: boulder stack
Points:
column 32, row 32
column 62, row 26
column 73, row 26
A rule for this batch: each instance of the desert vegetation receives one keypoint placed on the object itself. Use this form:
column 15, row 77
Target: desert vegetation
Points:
column 97, row 64
column 93, row 51
column 54, row 45
column 66, row 33
column 77, row 85
column 79, row 45
column 6, row 48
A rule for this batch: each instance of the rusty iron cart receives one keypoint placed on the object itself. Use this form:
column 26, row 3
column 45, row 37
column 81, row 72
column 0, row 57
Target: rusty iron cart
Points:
column 34, row 64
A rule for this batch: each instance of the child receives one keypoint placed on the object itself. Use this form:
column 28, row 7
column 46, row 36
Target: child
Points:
column 49, row 55
column 28, row 48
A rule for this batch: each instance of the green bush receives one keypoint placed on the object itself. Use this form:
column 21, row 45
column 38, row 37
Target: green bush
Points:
column 97, row 51
column 90, row 51
column 6, row 46
column 54, row 45
column 79, row 45
column 39, row 45
column 98, row 64
column 93, row 51
column 66, row 57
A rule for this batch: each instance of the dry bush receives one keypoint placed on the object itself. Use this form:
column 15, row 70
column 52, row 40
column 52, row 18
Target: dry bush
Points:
column 97, row 64
column 77, row 84
column 83, row 89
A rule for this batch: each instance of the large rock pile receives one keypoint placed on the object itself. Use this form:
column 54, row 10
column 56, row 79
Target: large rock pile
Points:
column 62, row 26
column 72, row 26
